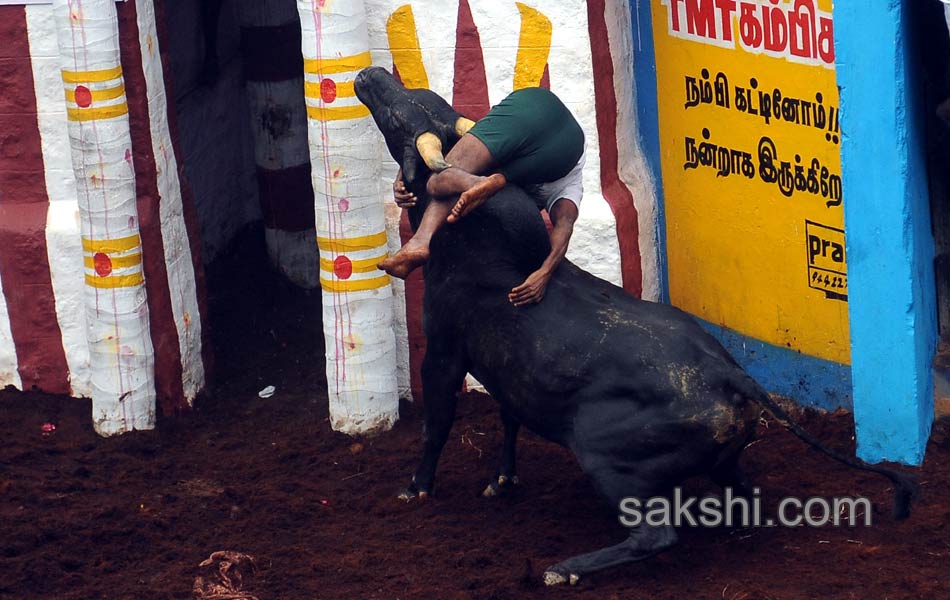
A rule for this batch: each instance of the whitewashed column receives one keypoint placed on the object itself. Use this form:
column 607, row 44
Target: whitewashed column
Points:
column 121, row 354
column 345, row 153
column 271, row 50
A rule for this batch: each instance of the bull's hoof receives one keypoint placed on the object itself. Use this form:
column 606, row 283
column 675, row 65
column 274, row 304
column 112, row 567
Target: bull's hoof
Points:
column 412, row 492
column 500, row 486
column 553, row 577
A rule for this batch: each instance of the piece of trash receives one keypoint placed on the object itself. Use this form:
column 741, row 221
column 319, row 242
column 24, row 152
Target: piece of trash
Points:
column 233, row 568
column 47, row 429
column 267, row 392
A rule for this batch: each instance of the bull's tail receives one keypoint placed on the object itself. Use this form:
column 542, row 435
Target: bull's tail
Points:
column 905, row 488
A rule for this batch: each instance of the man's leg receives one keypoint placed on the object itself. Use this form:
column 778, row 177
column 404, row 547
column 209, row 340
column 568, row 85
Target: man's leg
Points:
column 468, row 158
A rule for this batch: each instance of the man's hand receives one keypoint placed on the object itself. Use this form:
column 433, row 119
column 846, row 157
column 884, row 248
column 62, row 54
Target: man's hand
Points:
column 404, row 198
column 532, row 290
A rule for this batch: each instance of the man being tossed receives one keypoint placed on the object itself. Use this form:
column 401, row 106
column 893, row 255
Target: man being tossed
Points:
column 530, row 139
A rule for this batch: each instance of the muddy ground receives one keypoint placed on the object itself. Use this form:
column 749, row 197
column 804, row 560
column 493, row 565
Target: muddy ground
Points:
column 131, row 518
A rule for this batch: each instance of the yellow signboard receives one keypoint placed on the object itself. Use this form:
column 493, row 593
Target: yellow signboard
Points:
column 750, row 142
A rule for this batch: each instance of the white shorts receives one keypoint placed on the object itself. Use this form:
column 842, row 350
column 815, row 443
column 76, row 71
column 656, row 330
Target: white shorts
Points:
column 571, row 187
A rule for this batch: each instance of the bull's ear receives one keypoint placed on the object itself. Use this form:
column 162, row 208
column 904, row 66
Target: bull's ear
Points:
column 410, row 165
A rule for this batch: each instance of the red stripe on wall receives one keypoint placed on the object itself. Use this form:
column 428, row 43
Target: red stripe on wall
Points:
column 470, row 87
column 616, row 193
column 187, row 197
column 272, row 53
column 168, row 370
column 24, row 262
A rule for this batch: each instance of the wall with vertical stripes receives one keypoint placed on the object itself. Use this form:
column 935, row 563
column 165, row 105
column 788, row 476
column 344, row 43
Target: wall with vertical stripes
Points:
column 45, row 263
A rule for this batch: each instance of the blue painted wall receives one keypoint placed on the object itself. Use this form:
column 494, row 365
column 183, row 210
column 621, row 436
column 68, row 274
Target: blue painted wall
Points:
column 887, row 217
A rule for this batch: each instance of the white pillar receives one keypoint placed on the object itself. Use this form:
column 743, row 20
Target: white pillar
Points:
column 279, row 124
column 345, row 154
column 121, row 354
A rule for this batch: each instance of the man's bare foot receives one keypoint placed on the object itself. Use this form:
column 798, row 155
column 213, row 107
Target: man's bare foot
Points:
column 408, row 259
column 476, row 195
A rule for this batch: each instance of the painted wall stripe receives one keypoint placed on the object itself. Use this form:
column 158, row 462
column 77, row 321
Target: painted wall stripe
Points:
column 330, row 66
column 534, row 46
column 8, row 361
column 355, row 285
column 364, row 242
column 341, row 89
column 367, row 265
column 117, row 281
column 92, row 76
column 189, row 210
column 617, row 194
column 470, row 89
column 404, row 46
column 169, row 385
column 337, row 113
column 110, row 93
column 181, row 281
column 96, row 114
column 123, row 244
column 24, row 262
column 117, row 262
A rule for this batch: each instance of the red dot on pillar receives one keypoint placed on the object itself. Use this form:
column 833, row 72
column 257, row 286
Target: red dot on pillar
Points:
column 342, row 267
column 83, row 96
column 102, row 264
column 328, row 90
column 344, row 204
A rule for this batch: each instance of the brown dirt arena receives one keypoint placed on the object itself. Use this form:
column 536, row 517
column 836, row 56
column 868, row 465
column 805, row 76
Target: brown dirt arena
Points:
column 131, row 518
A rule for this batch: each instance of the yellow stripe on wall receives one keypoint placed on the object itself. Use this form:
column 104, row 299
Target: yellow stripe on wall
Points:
column 354, row 285
column 344, row 89
column 119, row 262
column 98, row 95
column 115, row 281
column 111, row 246
column 404, row 45
column 96, row 114
column 367, row 265
column 91, row 76
column 328, row 66
column 337, row 113
column 366, row 242
column 534, row 47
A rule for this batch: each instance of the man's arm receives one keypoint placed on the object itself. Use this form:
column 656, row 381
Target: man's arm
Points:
column 563, row 216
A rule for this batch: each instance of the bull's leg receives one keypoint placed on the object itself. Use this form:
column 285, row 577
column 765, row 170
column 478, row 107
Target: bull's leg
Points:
column 507, row 476
column 644, row 541
column 442, row 377
column 729, row 475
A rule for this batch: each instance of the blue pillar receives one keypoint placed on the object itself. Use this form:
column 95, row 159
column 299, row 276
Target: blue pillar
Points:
column 890, row 249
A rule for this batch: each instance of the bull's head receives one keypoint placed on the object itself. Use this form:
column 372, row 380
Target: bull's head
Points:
column 416, row 123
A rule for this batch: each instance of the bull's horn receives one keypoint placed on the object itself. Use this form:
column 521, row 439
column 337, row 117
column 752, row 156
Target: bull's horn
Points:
column 430, row 149
column 462, row 125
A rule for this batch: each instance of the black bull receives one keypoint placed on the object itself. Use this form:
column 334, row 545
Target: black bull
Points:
column 640, row 393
